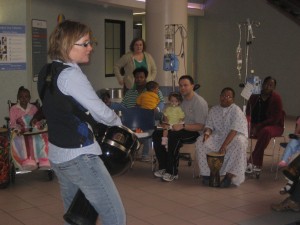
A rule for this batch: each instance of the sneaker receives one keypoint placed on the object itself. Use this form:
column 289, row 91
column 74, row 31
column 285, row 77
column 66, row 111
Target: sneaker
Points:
column 44, row 164
column 145, row 159
column 252, row 168
column 29, row 165
column 159, row 173
column 249, row 168
column 256, row 169
column 226, row 182
column 169, row 177
column 286, row 205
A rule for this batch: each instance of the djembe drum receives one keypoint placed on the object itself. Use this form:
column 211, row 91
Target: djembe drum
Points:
column 215, row 162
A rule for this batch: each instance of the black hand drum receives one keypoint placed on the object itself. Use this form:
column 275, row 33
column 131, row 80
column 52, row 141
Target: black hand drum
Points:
column 215, row 162
column 81, row 212
column 118, row 146
column 292, row 171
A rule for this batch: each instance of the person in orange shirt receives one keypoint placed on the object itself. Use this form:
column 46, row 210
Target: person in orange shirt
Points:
column 149, row 99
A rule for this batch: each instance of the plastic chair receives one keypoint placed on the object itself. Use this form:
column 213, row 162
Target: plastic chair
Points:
column 143, row 119
column 275, row 156
column 14, row 171
column 187, row 155
column 137, row 117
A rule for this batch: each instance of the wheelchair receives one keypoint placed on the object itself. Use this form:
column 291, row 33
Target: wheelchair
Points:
column 13, row 165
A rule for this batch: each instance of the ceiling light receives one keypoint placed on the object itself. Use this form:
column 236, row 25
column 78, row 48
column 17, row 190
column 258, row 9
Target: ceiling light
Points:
column 139, row 13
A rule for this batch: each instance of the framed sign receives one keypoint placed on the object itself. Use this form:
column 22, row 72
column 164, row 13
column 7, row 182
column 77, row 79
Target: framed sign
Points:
column 39, row 46
column 12, row 47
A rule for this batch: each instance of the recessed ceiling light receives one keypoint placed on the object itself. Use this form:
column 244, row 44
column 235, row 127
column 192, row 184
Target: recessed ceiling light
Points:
column 139, row 13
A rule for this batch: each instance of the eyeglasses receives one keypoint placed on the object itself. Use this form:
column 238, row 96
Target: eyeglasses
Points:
column 86, row 44
column 226, row 96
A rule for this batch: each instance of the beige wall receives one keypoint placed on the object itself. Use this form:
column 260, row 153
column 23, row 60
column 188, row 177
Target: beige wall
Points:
column 11, row 80
column 275, row 51
column 212, row 41
column 20, row 12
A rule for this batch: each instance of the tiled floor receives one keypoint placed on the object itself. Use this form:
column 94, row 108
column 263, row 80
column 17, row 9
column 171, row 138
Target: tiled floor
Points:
column 33, row 200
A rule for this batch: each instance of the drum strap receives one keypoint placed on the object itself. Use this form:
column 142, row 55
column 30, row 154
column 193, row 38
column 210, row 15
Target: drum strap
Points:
column 52, row 69
column 55, row 68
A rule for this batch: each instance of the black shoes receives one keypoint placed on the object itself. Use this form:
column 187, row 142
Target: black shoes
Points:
column 226, row 182
column 205, row 180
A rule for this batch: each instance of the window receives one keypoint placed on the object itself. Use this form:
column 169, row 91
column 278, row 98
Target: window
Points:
column 114, row 44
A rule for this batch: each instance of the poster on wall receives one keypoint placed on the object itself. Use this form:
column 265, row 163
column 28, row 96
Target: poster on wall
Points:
column 39, row 46
column 12, row 47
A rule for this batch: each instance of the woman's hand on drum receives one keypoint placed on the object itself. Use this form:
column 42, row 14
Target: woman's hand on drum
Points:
column 207, row 133
column 205, row 137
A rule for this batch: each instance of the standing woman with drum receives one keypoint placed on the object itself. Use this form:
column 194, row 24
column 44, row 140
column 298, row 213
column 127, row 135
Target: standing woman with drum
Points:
column 136, row 58
column 225, row 132
column 67, row 97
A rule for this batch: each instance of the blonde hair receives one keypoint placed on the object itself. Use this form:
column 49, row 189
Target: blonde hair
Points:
column 64, row 37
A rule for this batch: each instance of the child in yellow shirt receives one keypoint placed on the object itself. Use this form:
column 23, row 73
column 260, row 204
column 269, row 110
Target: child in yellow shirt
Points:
column 173, row 114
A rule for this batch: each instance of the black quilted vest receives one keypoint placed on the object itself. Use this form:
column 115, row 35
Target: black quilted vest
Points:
column 67, row 127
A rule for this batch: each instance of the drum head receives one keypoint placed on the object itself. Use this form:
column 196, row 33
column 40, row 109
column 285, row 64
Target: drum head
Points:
column 117, row 162
column 215, row 154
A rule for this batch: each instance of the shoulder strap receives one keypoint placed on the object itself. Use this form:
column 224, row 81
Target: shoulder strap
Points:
column 52, row 69
column 55, row 68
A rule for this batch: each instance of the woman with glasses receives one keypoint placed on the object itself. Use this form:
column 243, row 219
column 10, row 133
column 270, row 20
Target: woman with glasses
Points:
column 68, row 97
column 225, row 132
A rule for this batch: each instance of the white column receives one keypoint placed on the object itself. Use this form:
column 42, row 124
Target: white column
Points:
column 158, row 14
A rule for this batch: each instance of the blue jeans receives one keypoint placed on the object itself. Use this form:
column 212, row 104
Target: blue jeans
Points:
column 89, row 173
column 147, row 145
column 292, row 148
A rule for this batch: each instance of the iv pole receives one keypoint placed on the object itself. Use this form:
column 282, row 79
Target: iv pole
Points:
column 170, row 46
column 249, row 39
column 173, row 51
